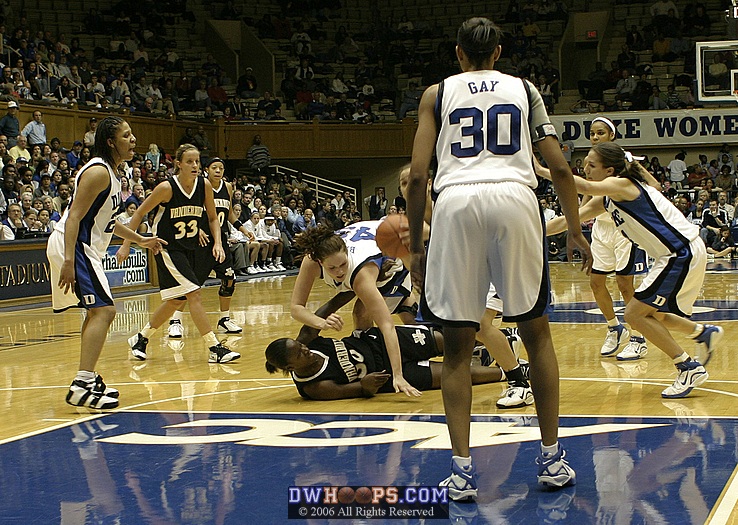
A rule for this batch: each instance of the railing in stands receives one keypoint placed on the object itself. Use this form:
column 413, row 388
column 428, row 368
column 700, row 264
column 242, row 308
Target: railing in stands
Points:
column 323, row 188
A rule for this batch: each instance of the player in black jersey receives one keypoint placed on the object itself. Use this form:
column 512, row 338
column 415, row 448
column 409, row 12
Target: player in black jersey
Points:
column 356, row 366
column 222, row 193
column 182, row 200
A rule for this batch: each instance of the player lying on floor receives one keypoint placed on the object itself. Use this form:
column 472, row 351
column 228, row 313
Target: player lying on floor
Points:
column 356, row 366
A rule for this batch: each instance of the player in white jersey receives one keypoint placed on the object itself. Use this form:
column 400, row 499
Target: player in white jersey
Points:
column 75, row 251
column 503, row 347
column 613, row 253
column 666, row 296
column 487, row 228
column 350, row 261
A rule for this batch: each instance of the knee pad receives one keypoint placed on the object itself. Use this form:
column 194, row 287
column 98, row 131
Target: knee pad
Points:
column 226, row 288
column 412, row 310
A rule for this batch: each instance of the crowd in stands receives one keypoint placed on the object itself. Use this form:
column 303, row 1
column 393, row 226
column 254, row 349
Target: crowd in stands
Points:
column 154, row 79
column 315, row 84
column 38, row 180
column 39, row 65
column 667, row 36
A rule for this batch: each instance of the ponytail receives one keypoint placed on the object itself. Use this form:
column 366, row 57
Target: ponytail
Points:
column 623, row 162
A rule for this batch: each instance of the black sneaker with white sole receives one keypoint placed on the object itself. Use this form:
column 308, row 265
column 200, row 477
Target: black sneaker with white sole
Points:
column 222, row 354
column 226, row 325
column 175, row 329
column 138, row 345
column 86, row 394
column 100, row 386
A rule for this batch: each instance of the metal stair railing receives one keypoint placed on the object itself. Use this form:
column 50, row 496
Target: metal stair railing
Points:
column 323, row 188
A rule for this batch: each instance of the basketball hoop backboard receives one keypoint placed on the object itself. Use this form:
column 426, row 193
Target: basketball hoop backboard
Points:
column 734, row 83
column 717, row 71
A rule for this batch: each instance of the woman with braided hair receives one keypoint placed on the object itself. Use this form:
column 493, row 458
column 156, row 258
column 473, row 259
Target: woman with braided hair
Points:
column 76, row 248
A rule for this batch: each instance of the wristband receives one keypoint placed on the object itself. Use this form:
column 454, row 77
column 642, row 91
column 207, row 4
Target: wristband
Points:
column 237, row 225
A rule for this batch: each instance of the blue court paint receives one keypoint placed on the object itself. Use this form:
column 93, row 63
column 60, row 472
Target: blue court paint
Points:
column 134, row 468
column 588, row 312
column 722, row 265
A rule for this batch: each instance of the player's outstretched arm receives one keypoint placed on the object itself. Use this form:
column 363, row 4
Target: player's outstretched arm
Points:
column 617, row 188
column 589, row 211
column 309, row 333
column 152, row 243
column 365, row 286
column 563, row 182
column 309, row 272
column 161, row 193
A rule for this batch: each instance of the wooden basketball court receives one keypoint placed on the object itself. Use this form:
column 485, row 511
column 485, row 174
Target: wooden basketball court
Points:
column 693, row 448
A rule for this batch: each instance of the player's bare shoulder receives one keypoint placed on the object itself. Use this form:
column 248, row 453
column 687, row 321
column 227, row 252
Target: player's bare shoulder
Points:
column 430, row 94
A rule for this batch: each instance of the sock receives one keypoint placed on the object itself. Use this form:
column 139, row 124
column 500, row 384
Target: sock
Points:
column 463, row 462
column 613, row 322
column 210, row 339
column 177, row 315
column 516, row 376
column 225, row 315
column 681, row 358
column 85, row 375
column 147, row 331
column 635, row 333
column 549, row 450
column 277, row 260
column 698, row 328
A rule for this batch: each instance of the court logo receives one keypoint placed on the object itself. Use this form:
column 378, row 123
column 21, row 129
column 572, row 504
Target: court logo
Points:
column 290, row 433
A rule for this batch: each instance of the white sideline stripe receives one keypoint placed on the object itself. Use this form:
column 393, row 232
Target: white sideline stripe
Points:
column 20, row 388
column 124, row 409
column 727, row 501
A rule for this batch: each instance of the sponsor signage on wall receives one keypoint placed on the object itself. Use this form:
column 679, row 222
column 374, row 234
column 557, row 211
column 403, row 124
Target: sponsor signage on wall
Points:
column 26, row 273
column 134, row 270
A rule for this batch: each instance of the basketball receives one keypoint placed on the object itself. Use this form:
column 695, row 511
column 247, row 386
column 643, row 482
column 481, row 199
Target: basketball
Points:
column 346, row 495
column 389, row 237
column 363, row 495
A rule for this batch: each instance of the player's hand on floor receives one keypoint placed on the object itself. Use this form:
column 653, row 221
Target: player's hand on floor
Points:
column 372, row 382
column 403, row 386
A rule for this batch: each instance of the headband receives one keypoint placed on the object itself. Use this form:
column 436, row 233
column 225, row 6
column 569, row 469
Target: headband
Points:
column 630, row 157
column 607, row 122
